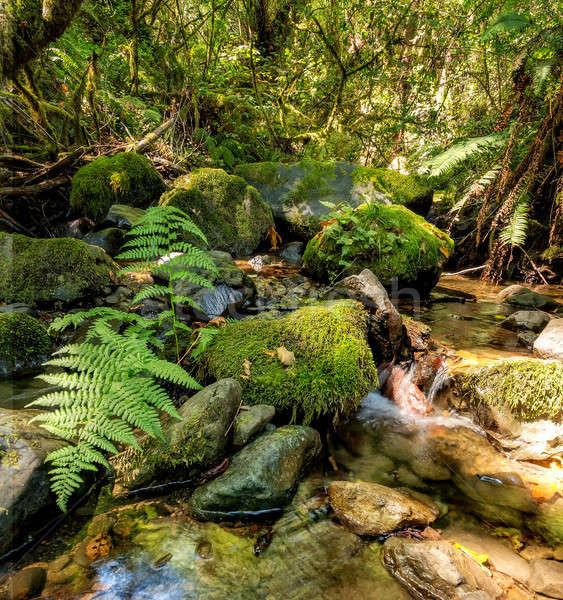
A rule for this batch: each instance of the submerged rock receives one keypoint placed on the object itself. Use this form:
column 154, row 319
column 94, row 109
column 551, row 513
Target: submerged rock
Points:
column 125, row 178
column 549, row 344
column 297, row 192
column 373, row 509
column 46, row 270
column 197, row 442
column 518, row 295
column 292, row 252
column 231, row 213
column 250, row 421
column 436, row 570
column 333, row 367
column 547, row 577
column 261, row 477
column 533, row 320
column 529, row 388
column 24, row 344
column 24, row 481
column 397, row 245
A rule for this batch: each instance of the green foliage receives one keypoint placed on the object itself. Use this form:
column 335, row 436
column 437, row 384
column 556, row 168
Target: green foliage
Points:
column 515, row 231
column 463, row 153
column 230, row 212
column 531, row 388
column 109, row 385
column 333, row 368
column 125, row 178
column 46, row 270
column 157, row 245
column 392, row 241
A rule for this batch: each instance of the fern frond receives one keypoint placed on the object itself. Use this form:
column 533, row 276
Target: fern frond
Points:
column 516, row 230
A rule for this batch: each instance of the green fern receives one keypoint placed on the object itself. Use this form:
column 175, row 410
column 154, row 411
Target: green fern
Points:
column 109, row 385
column 515, row 231
column 463, row 152
column 157, row 245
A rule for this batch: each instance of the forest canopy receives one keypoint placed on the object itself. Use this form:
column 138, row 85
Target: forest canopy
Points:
column 466, row 93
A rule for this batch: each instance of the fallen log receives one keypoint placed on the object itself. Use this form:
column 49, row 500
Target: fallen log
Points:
column 37, row 188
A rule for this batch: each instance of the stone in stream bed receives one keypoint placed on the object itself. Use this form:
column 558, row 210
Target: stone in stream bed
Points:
column 195, row 443
column 518, row 295
column 110, row 239
column 373, row 509
column 24, row 345
column 261, row 477
column 333, row 367
column 533, row 320
column 250, row 421
column 436, row 570
column 549, row 344
column 24, row 482
column 547, row 577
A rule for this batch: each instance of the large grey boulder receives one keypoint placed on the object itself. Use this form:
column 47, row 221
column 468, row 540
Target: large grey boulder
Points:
column 436, row 570
column 549, row 344
column 373, row 509
column 195, row 443
column 519, row 295
column 533, row 320
column 24, row 481
column 262, row 476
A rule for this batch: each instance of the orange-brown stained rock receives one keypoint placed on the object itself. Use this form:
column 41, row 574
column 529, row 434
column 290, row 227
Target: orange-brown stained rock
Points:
column 373, row 509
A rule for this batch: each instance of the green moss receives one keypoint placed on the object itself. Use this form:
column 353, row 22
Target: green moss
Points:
column 552, row 252
column 314, row 182
column 261, row 172
column 46, row 270
column 333, row 367
column 125, row 178
column 530, row 388
column 23, row 339
column 230, row 212
column 392, row 241
column 408, row 190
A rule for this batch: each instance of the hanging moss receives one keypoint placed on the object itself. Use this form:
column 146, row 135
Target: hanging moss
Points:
column 230, row 212
column 126, row 178
column 333, row 368
column 531, row 388
column 45, row 270
column 390, row 240
column 24, row 344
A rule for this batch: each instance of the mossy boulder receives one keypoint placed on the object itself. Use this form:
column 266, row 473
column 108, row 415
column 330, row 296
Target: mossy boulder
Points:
column 125, row 178
column 333, row 367
column 391, row 241
column 46, row 270
column 529, row 388
column 230, row 212
column 297, row 192
column 24, row 344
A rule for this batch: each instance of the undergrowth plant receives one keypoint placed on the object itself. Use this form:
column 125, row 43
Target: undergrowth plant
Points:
column 108, row 385
column 158, row 245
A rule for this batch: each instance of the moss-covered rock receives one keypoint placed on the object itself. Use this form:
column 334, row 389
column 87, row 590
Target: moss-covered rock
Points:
column 333, row 367
column 391, row 241
column 125, row 178
column 230, row 212
column 529, row 388
column 297, row 192
column 46, row 270
column 24, row 344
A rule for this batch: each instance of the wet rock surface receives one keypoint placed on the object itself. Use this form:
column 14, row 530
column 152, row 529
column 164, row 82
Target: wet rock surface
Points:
column 373, row 509
column 546, row 577
column 518, row 295
column 261, row 477
column 549, row 344
column 123, row 216
column 110, row 239
column 250, row 421
column 534, row 320
column 196, row 442
column 24, row 482
column 436, row 570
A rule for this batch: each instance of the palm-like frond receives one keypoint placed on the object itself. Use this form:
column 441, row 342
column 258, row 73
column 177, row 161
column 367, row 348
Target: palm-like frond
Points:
column 515, row 231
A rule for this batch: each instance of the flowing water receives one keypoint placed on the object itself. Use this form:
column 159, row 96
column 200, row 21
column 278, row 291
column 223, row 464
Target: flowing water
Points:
column 306, row 554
